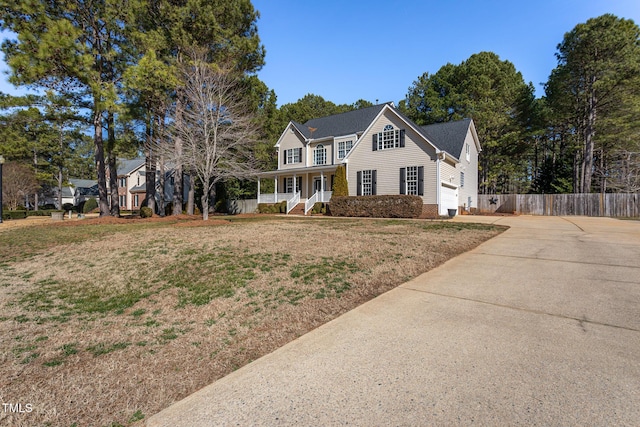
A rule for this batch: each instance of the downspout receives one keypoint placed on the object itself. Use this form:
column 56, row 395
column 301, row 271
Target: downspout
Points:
column 438, row 184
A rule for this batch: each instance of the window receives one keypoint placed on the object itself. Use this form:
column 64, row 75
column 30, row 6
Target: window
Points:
column 461, row 179
column 288, row 184
column 123, row 201
column 136, row 201
column 320, row 155
column 123, row 182
column 343, row 148
column 292, row 155
column 412, row 180
column 366, row 183
column 388, row 138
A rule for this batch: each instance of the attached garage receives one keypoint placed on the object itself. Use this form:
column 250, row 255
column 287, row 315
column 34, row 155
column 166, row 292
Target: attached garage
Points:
column 448, row 198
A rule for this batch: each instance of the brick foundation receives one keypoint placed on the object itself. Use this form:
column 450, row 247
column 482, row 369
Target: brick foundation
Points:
column 429, row 211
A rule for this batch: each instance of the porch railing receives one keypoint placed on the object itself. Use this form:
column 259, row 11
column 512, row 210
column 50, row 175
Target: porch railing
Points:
column 326, row 196
column 323, row 197
column 273, row 198
column 308, row 205
column 292, row 202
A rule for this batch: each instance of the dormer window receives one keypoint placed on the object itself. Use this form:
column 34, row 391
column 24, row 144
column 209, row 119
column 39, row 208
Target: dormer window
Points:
column 389, row 138
column 319, row 155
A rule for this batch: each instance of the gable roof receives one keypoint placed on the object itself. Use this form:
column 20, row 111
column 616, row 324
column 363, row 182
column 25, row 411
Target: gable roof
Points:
column 448, row 136
column 349, row 123
column 125, row 167
column 84, row 183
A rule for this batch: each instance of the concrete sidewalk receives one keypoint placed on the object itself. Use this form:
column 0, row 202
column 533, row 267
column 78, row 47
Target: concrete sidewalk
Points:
column 538, row 326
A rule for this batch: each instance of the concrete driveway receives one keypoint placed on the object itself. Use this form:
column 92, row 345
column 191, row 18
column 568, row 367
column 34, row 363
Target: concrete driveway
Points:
column 538, row 326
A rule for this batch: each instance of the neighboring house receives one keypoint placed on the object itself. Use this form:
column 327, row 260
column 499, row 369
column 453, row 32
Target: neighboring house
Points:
column 131, row 176
column 78, row 191
column 132, row 184
column 384, row 153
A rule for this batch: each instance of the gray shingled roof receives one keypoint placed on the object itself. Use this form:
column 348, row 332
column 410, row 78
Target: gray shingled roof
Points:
column 125, row 166
column 448, row 136
column 348, row 123
column 84, row 183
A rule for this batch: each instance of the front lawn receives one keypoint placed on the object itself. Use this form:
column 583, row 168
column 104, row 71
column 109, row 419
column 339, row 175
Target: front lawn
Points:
column 107, row 324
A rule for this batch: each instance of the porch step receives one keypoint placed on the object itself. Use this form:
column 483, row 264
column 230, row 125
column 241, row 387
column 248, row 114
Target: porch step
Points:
column 298, row 210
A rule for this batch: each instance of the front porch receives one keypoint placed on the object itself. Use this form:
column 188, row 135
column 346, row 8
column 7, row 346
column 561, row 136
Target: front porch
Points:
column 306, row 186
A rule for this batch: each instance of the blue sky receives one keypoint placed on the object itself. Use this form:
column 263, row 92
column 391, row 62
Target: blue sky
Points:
column 345, row 50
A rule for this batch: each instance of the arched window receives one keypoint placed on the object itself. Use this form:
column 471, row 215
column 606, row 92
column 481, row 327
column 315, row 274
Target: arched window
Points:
column 319, row 155
column 388, row 138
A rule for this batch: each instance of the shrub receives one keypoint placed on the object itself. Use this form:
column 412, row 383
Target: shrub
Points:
column 397, row 206
column 283, row 207
column 21, row 214
column 340, row 185
column 269, row 207
column 68, row 207
column 146, row 212
column 42, row 212
column 318, row 207
column 90, row 205
column 221, row 206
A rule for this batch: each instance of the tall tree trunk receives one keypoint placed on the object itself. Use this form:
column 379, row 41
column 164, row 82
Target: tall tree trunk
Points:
column 589, row 134
column 103, row 202
column 113, row 167
column 162, row 179
column 60, row 180
column 191, row 199
column 150, row 169
column 177, row 171
column 159, row 134
column 205, row 205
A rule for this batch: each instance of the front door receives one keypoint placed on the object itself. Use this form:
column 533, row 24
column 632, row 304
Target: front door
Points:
column 317, row 184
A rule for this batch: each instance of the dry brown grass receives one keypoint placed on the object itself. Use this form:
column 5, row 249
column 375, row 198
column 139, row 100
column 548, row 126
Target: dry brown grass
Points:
column 105, row 331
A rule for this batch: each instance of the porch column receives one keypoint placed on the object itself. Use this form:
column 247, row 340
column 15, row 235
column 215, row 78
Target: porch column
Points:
column 258, row 189
column 321, row 186
column 275, row 194
column 295, row 182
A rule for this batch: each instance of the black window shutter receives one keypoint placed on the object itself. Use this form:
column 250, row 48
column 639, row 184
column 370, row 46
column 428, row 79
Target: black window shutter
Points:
column 359, row 183
column 403, row 180
column 401, row 137
column 299, row 184
column 375, row 142
column 284, row 185
column 332, row 176
column 420, row 180
column 300, row 154
column 374, row 174
column 285, row 157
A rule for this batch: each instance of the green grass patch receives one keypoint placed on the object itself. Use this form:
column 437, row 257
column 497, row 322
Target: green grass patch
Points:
column 104, row 348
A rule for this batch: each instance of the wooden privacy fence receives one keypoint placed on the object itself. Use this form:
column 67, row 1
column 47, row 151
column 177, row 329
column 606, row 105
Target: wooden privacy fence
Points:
column 592, row 204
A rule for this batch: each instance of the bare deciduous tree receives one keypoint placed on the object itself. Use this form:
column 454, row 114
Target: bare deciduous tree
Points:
column 625, row 173
column 18, row 181
column 216, row 125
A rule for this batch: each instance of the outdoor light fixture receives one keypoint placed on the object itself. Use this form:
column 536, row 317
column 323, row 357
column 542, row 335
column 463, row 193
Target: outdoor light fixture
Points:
column 1, row 163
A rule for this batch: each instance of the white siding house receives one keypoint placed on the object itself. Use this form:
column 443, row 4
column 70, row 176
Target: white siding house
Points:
column 384, row 153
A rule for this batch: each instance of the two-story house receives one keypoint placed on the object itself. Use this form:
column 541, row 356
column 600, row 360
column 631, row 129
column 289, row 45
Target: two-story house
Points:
column 384, row 153
column 132, row 179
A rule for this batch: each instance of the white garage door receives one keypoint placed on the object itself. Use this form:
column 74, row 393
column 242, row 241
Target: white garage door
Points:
column 448, row 199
